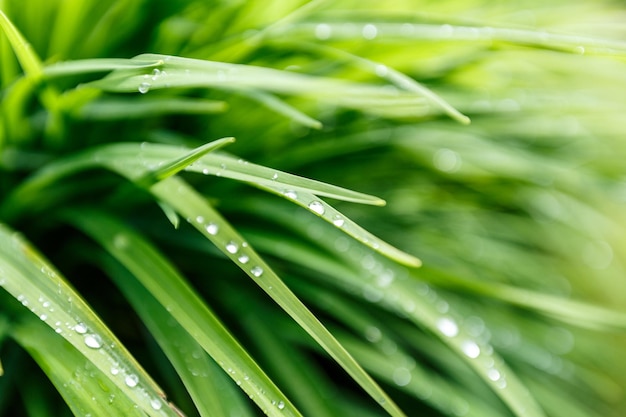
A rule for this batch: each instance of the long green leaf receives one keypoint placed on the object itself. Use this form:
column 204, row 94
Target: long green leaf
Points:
column 29, row 278
column 166, row 285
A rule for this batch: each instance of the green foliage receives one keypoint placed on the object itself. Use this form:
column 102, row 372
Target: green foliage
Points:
column 149, row 268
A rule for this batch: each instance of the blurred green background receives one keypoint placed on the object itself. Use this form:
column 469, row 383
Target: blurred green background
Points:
column 517, row 217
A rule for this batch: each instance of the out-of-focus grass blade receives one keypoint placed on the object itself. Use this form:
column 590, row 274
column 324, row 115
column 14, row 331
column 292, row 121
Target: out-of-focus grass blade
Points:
column 117, row 109
column 85, row 388
column 433, row 32
column 29, row 60
column 165, row 284
column 574, row 312
column 212, row 393
column 393, row 76
column 85, row 66
column 281, row 107
column 213, row 226
column 29, row 278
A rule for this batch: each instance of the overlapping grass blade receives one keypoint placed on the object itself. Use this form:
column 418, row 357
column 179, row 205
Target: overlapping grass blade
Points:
column 86, row 389
column 213, row 226
column 207, row 384
column 175, row 299
column 29, row 278
column 29, row 60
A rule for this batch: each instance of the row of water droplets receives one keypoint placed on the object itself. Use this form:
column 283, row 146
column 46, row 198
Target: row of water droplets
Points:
column 67, row 326
column 149, row 79
column 238, row 249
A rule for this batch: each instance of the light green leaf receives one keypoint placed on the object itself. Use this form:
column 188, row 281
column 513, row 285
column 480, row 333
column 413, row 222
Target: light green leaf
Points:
column 25, row 54
column 173, row 294
column 86, row 389
column 29, row 278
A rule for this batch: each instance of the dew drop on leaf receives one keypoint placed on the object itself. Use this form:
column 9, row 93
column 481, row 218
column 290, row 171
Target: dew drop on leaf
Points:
column 232, row 247
column 243, row 259
column 338, row 221
column 93, row 341
column 257, row 271
column 131, row 380
column 212, row 229
column 447, row 327
column 291, row 194
column 80, row 328
column 317, row 207
column 144, row 88
column 470, row 349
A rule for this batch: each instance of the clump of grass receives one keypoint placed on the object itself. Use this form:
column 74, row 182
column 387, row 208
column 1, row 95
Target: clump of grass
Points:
column 153, row 264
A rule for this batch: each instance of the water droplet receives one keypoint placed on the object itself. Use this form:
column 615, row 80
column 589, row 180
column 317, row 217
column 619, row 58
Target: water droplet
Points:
column 323, row 31
column 275, row 176
column 317, row 207
column 493, row 374
column 243, row 259
column 80, row 328
column 338, row 221
column 447, row 160
column 402, row 377
column 373, row 334
column 381, row 70
column 114, row 370
column 280, row 405
column 43, row 317
column 144, row 87
column 120, row 241
column 131, row 380
column 212, row 228
column 257, row 271
column 470, row 348
column 580, row 50
column 369, row 31
column 93, row 341
column 200, row 219
column 206, row 171
column 156, row 404
column 291, row 194
column 232, row 247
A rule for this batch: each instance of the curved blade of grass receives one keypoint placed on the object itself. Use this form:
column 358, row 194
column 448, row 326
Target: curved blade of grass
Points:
column 391, row 75
column 29, row 278
column 180, row 72
column 29, row 60
column 211, row 391
column 324, row 210
column 86, row 66
column 85, row 388
column 214, row 227
column 166, row 285
column 385, row 285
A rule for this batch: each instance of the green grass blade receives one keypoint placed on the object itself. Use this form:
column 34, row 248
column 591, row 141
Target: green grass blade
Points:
column 279, row 106
column 85, row 388
column 214, row 227
column 30, row 279
column 165, row 284
column 333, row 216
column 211, row 391
column 23, row 50
column 117, row 109
column 86, row 66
